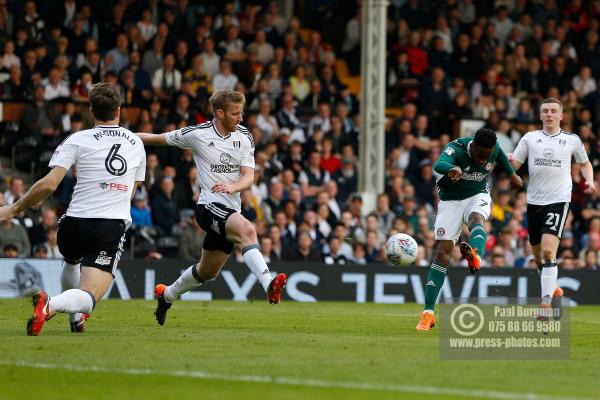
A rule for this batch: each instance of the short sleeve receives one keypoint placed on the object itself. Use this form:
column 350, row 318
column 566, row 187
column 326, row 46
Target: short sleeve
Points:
column 180, row 137
column 65, row 155
column 247, row 158
column 522, row 150
column 140, row 174
column 579, row 152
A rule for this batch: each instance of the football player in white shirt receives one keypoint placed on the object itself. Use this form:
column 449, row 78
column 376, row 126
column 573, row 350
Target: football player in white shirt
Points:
column 549, row 152
column 224, row 156
column 110, row 162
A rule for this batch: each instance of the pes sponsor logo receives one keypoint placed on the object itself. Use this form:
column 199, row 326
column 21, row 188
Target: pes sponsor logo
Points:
column 118, row 187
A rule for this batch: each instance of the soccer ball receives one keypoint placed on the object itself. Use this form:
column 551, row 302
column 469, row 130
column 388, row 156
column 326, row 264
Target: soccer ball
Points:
column 401, row 249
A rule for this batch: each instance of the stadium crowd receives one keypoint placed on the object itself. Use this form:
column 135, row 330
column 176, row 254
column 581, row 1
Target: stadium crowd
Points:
column 491, row 61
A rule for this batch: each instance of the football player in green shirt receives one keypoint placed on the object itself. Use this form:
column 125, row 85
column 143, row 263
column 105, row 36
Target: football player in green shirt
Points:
column 461, row 175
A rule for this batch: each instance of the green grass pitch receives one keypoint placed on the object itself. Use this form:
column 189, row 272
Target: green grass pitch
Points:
column 231, row 350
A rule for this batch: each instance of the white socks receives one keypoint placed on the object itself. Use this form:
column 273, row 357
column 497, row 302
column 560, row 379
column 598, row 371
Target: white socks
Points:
column 72, row 301
column 548, row 279
column 190, row 278
column 186, row 282
column 69, row 279
column 256, row 262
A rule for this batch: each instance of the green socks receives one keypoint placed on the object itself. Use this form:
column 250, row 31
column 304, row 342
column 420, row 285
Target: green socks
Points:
column 478, row 238
column 435, row 280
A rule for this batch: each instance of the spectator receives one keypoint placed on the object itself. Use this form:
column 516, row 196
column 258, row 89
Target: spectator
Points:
column 32, row 22
column 147, row 28
column 140, row 213
column 14, row 88
column 153, row 58
column 15, row 234
column 304, row 250
column 225, row 78
column 347, row 180
column 54, row 87
column 335, row 255
column 166, row 79
column 313, row 178
column 38, row 234
column 191, row 240
column 9, row 58
column 210, row 58
column 266, row 122
column 329, row 162
column 9, row 250
column 118, row 57
column 373, row 253
column 200, row 81
column 40, row 251
column 164, row 208
column 232, row 45
column 299, row 84
column 131, row 94
column 288, row 120
column 51, row 244
column 15, row 191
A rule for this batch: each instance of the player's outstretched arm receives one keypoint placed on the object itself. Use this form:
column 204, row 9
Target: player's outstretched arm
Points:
column 245, row 182
column 153, row 139
column 38, row 192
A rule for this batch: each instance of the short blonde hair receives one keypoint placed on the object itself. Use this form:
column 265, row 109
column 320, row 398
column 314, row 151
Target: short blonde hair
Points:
column 222, row 98
column 552, row 100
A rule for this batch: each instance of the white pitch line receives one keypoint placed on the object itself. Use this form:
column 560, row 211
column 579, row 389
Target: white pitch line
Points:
column 282, row 380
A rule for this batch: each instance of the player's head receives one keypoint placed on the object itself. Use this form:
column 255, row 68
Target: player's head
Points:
column 551, row 113
column 105, row 102
column 483, row 145
column 227, row 107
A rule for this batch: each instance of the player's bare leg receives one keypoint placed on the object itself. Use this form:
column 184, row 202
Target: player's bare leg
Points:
column 240, row 230
column 473, row 249
column 93, row 284
column 209, row 267
column 435, row 280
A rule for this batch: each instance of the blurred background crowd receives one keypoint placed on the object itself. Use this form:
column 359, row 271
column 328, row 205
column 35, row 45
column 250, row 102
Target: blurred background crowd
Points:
column 297, row 63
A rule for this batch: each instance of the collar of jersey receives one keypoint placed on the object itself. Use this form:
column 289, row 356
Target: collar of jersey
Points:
column 214, row 125
column 559, row 132
column 106, row 126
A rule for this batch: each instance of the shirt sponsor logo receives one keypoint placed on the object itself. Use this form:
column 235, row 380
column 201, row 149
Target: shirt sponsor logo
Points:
column 474, row 176
column 224, row 169
column 117, row 187
column 545, row 162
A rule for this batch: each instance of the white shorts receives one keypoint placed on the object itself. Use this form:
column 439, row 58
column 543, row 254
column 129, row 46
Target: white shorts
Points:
column 452, row 214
